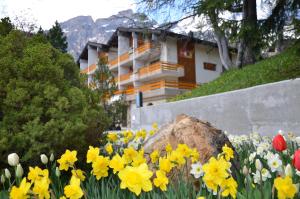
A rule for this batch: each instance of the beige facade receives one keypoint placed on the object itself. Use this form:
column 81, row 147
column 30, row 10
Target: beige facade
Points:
column 157, row 63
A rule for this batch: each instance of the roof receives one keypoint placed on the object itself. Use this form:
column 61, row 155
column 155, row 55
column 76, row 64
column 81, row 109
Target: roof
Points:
column 84, row 52
column 161, row 32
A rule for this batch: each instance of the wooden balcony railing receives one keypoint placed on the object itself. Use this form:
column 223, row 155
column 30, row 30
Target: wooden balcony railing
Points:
column 158, row 66
column 166, row 84
column 125, row 77
column 144, row 47
column 122, row 58
column 89, row 69
column 158, row 85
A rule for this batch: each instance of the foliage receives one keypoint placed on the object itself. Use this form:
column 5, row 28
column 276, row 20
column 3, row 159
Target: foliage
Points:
column 44, row 103
column 280, row 67
column 57, row 38
column 128, row 172
column 104, row 85
column 5, row 26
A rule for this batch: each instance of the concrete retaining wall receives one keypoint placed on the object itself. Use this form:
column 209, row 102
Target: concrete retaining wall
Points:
column 264, row 109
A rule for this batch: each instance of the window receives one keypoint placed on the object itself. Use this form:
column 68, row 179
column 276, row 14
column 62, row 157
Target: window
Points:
column 209, row 66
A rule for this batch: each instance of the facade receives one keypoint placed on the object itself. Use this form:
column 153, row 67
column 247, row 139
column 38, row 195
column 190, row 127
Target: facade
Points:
column 160, row 64
column 157, row 63
column 88, row 59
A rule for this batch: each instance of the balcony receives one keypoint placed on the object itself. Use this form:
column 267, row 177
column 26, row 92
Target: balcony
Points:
column 147, row 51
column 160, row 89
column 88, row 70
column 126, row 79
column 122, row 60
column 159, row 70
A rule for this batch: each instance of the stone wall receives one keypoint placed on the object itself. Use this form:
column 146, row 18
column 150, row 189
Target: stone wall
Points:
column 264, row 109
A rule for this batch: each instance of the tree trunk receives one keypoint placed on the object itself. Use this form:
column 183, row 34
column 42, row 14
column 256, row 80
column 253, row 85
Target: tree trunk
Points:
column 248, row 41
column 222, row 43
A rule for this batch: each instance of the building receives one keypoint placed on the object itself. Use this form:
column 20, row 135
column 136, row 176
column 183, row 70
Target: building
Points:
column 88, row 59
column 157, row 63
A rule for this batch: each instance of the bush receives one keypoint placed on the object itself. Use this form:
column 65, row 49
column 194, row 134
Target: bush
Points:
column 44, row 104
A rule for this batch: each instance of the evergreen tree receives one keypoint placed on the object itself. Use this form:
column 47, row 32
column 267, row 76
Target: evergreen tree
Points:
column 45, row 103
column 5, row 26
column 103, row 83
column 57, row 38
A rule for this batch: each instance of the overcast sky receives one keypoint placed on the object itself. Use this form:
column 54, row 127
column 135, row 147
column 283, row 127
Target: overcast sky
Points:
column 45, row 12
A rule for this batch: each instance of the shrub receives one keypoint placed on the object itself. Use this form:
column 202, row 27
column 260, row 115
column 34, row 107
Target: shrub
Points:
column 44, row 104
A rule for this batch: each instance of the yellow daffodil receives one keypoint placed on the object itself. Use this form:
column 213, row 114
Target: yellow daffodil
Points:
column 215, row 171
column 154, row 156
column 228, row 152
column 78, row 173
column 112, row 137
column 141, row 134
column 109, row 149
column 21, row 191
column 229, row 187
column 67, row 160
column 165, row 164
column 169, row 148
column 36, row 173
column 128, row 135
column 100, row 167
column 161, row 180
column 129, row 154
column 117, row 163
column 177, row 157
column 201, row 197
column 285, row 187
column 184, row 150
column 194, row 155
column 136, row 179
column 41, row 187
column 139, row 159
column 73, row 190
column 92, row 154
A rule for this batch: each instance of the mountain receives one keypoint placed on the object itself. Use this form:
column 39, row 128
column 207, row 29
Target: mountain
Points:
column 79, row 30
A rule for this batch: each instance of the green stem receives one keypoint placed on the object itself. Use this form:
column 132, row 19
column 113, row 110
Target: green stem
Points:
column 261, row 186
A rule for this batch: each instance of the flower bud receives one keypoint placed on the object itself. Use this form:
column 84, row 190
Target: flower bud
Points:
column 245, row 170
column 2, row 179
column 44, row 159
column 258, row 165
column 279, row 143
column 51, row 157
column 7, row 173
column 57, row 172
column 19, row 171
column 13, row 159
column 288, row 171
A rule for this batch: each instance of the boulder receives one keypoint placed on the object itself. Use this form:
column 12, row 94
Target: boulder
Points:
column 190, row 131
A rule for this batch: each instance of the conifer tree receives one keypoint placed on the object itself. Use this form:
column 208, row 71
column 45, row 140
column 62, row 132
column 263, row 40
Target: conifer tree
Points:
column 57, row 38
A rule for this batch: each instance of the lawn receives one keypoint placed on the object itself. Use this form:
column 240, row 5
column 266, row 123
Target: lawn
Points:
column 280, row 67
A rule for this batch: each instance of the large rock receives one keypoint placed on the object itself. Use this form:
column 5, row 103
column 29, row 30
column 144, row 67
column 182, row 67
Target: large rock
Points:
column 190, row 131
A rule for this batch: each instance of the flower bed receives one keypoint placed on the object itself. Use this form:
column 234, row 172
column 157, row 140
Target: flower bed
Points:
column 269, row 168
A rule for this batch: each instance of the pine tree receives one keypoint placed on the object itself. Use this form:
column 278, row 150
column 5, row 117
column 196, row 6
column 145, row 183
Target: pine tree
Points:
column 57, row 38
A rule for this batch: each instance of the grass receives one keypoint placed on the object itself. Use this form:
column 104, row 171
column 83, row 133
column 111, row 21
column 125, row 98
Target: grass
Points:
column 280, row 67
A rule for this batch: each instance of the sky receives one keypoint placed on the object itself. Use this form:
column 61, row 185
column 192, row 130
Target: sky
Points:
column 45, row 12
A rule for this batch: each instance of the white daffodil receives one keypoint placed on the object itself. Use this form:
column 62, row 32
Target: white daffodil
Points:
column 57, row 172
column 13, row 159
column 197, row 170
column 252, row 156
column 275, row 163
column 298, row 140
column 265, row 174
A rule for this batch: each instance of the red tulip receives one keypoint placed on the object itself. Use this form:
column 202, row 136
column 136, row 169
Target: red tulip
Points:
column 296, row 160
column 279, row 143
